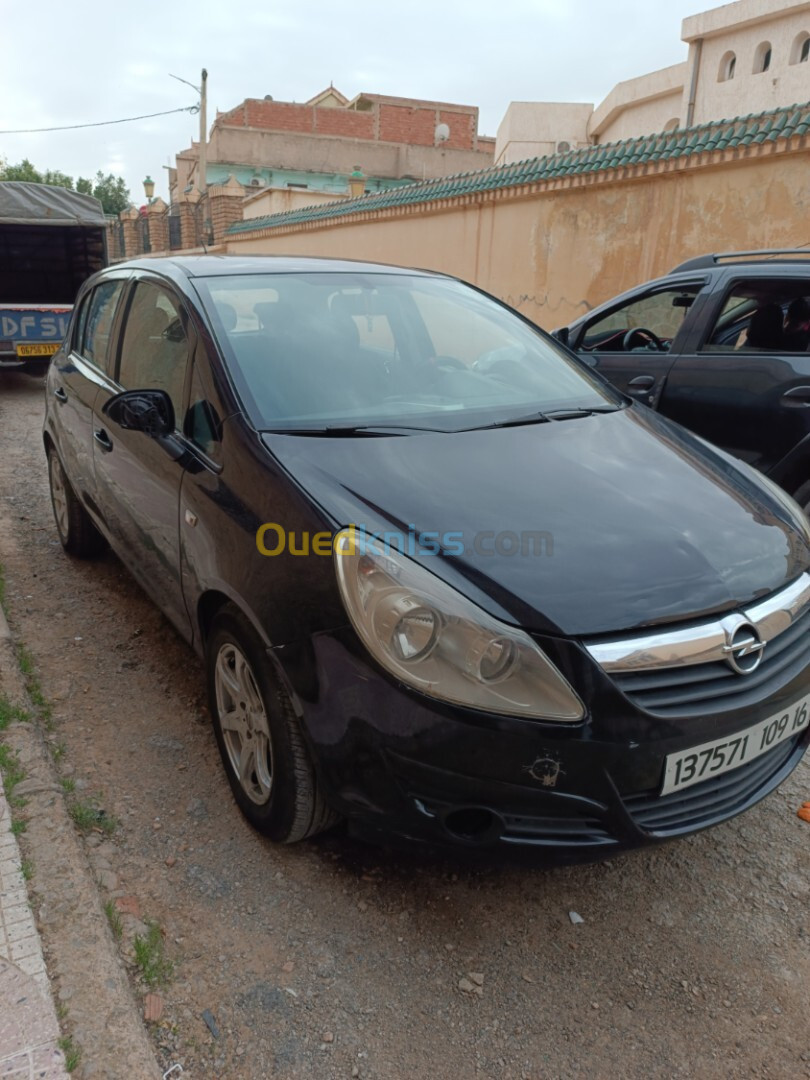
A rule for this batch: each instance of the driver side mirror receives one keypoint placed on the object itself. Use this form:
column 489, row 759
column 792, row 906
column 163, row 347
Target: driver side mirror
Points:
column 149, row 411
column 561, row 335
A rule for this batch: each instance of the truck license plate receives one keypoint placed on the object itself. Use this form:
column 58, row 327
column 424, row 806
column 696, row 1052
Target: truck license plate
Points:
column 37, row 350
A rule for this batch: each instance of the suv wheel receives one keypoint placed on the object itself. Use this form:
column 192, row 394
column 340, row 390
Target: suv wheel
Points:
column 267, row 762
column 77, row 533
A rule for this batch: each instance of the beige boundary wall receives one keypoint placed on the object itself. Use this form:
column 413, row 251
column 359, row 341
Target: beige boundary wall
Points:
column 556, row 248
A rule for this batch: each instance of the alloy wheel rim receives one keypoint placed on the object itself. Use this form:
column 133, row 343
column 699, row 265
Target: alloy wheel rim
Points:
column 59, row 497
column 243, row 720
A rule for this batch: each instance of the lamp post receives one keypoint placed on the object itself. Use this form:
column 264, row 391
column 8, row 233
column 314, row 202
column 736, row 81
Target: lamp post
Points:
column 149, row 188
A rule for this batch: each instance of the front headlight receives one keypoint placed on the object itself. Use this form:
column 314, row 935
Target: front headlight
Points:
column 434, row 639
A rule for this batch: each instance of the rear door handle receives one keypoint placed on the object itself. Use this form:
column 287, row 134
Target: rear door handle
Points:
column 797, row 396
column 60, row 395
column 103, row 440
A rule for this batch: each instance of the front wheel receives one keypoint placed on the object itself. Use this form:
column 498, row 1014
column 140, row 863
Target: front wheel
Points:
column 77, row 533
column 266, row 760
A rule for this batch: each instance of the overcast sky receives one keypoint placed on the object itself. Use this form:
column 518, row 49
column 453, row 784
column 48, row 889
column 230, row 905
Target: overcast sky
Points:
column 91, row 61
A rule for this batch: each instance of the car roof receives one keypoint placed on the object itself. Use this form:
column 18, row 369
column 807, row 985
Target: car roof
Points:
column 195, row 266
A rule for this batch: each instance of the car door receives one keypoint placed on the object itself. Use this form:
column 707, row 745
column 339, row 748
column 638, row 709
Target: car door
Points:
column 743, row 381
column 634, row 343
column 77, row 373
column 138, row 478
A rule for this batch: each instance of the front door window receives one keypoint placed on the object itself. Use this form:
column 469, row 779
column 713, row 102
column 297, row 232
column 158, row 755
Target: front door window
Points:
column 647, row 323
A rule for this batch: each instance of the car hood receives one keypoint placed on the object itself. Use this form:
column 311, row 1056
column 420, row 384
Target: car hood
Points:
column 603, row 523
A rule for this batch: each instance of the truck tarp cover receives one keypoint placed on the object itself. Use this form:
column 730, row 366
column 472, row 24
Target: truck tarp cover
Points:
column 51, row 240
column 39, row 204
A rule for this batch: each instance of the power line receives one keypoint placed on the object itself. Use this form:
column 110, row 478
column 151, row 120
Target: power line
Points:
column 100, row 123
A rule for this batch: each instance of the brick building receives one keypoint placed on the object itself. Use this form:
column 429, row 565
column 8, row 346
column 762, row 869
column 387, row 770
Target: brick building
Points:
column 315, row 146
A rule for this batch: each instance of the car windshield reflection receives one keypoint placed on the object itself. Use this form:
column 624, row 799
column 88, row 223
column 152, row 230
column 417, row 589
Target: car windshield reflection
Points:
column 335, row 351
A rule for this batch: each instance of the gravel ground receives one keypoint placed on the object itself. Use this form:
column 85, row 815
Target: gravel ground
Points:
column 331, row 959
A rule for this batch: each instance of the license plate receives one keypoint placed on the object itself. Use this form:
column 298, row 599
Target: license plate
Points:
column 37, row 350
column 698, row 763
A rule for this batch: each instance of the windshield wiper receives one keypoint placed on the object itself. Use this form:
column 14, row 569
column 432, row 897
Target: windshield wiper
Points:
column 545, row 417
column 575, row 413
column 342, row 431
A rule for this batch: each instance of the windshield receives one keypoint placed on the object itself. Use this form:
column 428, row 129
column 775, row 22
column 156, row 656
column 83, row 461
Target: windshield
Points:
column 340, row 350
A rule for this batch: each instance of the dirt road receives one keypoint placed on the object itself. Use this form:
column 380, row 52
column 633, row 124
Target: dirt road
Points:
column 334, row 960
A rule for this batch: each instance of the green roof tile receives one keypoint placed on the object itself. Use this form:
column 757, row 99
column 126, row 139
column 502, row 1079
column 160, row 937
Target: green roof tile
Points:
column 744, row 130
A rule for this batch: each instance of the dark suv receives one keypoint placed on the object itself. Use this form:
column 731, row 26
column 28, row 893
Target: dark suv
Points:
column 721, row 346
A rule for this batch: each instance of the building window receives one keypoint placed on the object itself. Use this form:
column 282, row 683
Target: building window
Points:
column 800, row 52
column 762, row 57
column 673, row 124
column 727, row 67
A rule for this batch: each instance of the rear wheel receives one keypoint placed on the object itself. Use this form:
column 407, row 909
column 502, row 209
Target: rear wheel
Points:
column 266, row 759
column 77, row 533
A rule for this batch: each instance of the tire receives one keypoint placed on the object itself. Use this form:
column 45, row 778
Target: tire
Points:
column 266, row 759
column 77, row 533
column 802, row 497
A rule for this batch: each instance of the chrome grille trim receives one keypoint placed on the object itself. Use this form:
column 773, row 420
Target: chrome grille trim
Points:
column 707, row 642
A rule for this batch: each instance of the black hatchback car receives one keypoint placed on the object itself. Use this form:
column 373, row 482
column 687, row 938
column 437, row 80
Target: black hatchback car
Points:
column 722, row 345
column 448, row 582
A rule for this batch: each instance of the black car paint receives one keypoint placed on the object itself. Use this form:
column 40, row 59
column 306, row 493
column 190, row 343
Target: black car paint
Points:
column 730, row 400
column 390, row 758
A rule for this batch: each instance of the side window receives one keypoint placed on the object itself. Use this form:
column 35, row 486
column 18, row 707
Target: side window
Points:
column 647, row 322
column 202, row 423
column 154, row 351
column 80, row 324
column 763, row 316
column 95, row 323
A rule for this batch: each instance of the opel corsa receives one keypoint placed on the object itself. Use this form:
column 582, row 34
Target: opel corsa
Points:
column 448, row 582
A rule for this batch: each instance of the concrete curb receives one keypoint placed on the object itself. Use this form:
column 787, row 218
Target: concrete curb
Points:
column 86, row 973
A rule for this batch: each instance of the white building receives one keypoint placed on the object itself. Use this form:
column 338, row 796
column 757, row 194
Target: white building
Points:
column 745, row 57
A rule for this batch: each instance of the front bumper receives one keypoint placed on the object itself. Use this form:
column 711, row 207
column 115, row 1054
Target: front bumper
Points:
column 395, row 762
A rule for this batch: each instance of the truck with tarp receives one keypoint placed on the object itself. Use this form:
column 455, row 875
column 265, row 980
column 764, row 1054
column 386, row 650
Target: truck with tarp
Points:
column 51, row 240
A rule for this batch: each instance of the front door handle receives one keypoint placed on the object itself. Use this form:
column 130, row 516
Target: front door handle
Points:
column 60, row 395
column 797, row 396
column 640, row 386
column 103, row 440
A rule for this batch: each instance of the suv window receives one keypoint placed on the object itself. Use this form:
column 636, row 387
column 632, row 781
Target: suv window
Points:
column 660, row 312
column 95, row 322
column 154, row 351
column 763, row 315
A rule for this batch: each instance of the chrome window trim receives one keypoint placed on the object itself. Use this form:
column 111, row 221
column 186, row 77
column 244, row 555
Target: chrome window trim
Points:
column 707, row 642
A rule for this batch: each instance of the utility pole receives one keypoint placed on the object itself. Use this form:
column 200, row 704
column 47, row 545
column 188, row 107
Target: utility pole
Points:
column 202, row 90
column 203, row 170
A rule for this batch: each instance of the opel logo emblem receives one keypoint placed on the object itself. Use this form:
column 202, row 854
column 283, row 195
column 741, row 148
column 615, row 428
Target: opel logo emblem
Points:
column 744, row 649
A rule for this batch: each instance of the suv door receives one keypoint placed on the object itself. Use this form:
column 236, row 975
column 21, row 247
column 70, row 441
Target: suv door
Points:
column 138, row 478
column 743, row 381
column 634, row 343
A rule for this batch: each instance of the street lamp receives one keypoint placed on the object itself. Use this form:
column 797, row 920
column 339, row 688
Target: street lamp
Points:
column 149, row 188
